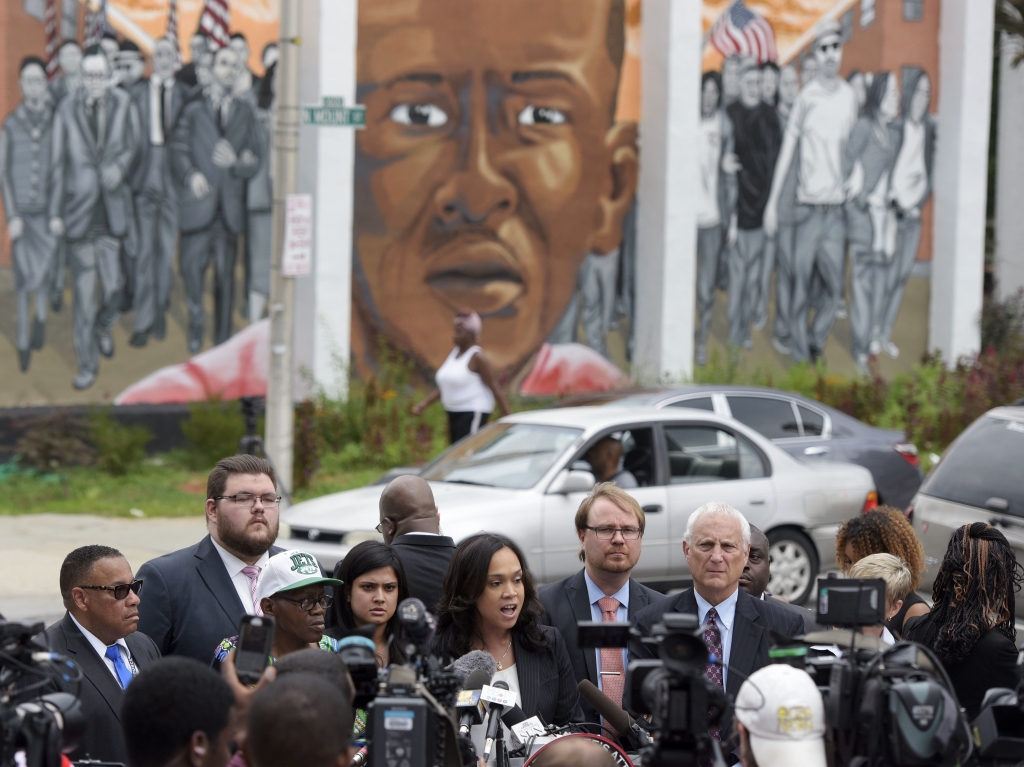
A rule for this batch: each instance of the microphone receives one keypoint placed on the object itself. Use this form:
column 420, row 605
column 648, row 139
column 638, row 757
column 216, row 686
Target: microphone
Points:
column 468, row 706
column 616, row 717
column 514, row 716
column 521, row 727
column 473, row 661
column 362, row 757
column 494, row 709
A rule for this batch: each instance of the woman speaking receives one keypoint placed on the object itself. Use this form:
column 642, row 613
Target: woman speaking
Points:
column 490, row 604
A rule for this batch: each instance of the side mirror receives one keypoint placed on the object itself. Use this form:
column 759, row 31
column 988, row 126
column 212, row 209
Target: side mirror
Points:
column 572, row 481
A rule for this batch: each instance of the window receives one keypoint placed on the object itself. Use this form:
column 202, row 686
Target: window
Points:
column 708, row 454
column 867, row 13
column 913, row 10
column 770, row 416
column 813, row 421
column 636, row 458
column 696, row 403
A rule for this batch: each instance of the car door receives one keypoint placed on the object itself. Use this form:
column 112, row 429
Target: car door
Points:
column 710, row 462
column 642, row 456
column 800, row 430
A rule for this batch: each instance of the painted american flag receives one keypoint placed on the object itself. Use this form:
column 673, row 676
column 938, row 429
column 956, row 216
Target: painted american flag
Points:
column 742, row 31
column 215, row 22
column 96, row 23
column 53, row 41
column 172, row 23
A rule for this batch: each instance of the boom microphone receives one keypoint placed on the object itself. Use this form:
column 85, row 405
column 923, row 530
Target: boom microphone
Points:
column 473, row 661
column 616, row 716
column 493, row 721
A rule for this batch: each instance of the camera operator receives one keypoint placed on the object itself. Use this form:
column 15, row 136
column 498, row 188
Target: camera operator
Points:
column 98, row 632
column 971, row 625
column 179, row 713
column 780, row 718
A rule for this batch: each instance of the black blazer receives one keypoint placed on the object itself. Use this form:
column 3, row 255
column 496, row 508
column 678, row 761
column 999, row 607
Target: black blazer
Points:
column 189, row 603
column 750, row 638
column 100, row 693
column 566, row 602
column 547, row 684
column 425, row 560
column 809, row 617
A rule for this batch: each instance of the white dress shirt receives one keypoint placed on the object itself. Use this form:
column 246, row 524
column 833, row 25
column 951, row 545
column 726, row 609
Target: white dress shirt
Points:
column 239, row 579
column 726, row 610
column 594, row 593
column 101, row 650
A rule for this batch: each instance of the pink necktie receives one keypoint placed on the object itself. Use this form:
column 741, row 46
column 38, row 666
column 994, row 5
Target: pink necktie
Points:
column 253, row 574
column 613, row 680
column 713, row 671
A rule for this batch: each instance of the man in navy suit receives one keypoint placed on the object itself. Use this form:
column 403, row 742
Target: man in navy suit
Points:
column 610, row 526
column 197, row 596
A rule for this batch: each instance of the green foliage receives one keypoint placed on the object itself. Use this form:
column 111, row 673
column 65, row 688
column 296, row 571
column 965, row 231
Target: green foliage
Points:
column 54, row 441
column 307, row 444
column 119, row 448
column 213, row 430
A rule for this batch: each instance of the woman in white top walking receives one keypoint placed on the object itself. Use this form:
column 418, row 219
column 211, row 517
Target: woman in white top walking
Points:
column 467, row 384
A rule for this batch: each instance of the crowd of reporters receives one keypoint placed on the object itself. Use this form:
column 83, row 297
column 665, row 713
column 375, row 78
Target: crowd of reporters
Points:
column 152, row 700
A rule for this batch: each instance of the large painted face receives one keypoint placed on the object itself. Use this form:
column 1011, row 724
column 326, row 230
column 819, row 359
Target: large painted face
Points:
column 70, row 59
column 165, row 58
column 789, row 85
column 489, row 168
column 828, row 52
column 922, row 97
column 225, row 68
column 890, row 100
column 96, row 77
column 750, row 88
column 32, row 82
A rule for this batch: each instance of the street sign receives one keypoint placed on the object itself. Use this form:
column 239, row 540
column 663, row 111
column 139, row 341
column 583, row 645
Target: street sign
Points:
column 333, row 112
column 297, row 260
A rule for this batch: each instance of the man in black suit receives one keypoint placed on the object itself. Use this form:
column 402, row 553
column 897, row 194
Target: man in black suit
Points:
column 610, row 526
column 98, row 633
column 756, row 574
column 411, row 525
column 198, row 595
column 716, row 544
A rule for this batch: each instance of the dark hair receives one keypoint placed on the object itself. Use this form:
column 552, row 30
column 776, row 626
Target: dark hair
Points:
column 361, row 559
column 465, row 582
column 313, row 660
column 876, row 92
column 94, row 50
column 770, row 65
column 108, row 35
column 884, row 530
column 29, row 61
column 716, row 78
column 166, row 703
column 79, row 562
column 911, row 77
column 129, row 45
column 298, row 721
column 974, row 590
column 236, row 464
column 239, row 36
column 265, row 94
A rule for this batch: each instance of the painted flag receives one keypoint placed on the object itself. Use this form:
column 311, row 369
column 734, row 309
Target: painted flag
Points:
column 96, row 23
column 741, row 31
column 172, row 23
column 215, row 21
column 53, row 40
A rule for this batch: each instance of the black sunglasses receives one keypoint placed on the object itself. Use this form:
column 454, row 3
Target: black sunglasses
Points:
column 120, row 591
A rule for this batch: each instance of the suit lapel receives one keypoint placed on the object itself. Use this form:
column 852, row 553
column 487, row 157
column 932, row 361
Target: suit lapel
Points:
column 94, row 669
column 83, row 125
column 211, row 570
column 528, row 671
column 637, row 599
column 747, row 633
column 579, row 601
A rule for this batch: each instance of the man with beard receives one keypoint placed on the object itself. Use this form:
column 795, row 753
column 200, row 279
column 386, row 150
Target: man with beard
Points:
column 196, row 596
column 610, row 526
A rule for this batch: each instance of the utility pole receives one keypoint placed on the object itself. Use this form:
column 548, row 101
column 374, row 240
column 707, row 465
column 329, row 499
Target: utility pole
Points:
column 280, row 410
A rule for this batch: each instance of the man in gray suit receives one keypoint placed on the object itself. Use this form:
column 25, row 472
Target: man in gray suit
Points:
column 215, row 151
column 259, row 202
column 90, row 202
column 159, row 101
column 24, row 165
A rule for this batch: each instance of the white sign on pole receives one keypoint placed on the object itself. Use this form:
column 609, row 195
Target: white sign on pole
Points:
column 297, row 260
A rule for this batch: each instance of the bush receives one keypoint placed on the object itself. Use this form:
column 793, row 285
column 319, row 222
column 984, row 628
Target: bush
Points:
column 54, row 441
column 308, row 444
column 120, row 449
column 213, row 430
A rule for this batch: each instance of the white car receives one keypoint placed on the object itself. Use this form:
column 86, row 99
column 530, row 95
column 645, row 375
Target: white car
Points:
column 524, row 476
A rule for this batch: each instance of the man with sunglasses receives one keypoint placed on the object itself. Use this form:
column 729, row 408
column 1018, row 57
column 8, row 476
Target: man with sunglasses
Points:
column 99, row 634
column 198, row 595
column 610, row 526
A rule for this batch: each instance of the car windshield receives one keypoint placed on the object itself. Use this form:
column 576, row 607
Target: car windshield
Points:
column 509, row 455
column 983, row 468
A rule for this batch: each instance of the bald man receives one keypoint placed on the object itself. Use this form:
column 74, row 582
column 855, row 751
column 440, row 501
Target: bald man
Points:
column 574, row 752
column 411, row 524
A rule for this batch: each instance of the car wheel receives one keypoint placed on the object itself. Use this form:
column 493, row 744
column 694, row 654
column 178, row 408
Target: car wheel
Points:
column 794, row 564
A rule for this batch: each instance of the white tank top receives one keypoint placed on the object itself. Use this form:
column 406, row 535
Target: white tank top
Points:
column 462, row 390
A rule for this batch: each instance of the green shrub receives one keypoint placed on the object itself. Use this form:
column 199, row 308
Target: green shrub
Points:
column 307, row 444
column 54, row 441
column 213, row 430
column 120, row 449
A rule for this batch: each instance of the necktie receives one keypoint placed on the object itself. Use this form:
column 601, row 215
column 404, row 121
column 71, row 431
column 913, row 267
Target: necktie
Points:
column 124, row 676
column 613, row 680
column 713, row 671
column 253, row 573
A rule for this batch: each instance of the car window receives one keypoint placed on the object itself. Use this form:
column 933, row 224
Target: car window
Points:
column 983, row 464
column 708, row 454
column 635, row 466
column 772, row 417
column 696, row 403
column 813, row 421
column 510, row 455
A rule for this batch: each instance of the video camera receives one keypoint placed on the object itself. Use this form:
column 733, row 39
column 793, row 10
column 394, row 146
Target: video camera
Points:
column 40, row 728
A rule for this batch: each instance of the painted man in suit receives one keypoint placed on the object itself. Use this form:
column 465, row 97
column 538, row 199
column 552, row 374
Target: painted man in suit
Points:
column 159, row 100
column 90, row 202
column 197, row 596
column 610, row 526
column 99, row 633
column 215, row 151
column 25, row 141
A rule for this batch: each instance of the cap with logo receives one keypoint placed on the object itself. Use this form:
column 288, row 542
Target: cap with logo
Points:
column 290, row 570
column 783, row 711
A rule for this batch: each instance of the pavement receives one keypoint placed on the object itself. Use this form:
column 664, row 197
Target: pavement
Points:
column 32, row 548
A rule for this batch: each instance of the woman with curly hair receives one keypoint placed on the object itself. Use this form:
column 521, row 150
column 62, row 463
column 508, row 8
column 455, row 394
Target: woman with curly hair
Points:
column 885, row 531
column 490, row 603
column 971, row 627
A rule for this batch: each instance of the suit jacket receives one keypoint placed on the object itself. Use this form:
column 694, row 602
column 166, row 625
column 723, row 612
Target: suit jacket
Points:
column 566, row 602
column 25, row 143
column 425, row 560
column 190, row 603
column 76, row 162
column 896, row 135
column 750, row 638
column 140, row 93
column 195, row 136
column 807, row 616
column 547, row 685
column 100, row 693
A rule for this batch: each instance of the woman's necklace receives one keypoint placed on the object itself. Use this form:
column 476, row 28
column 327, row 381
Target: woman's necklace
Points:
column 500, row 667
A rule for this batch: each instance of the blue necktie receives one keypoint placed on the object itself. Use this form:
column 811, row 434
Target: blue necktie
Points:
column 123, row 674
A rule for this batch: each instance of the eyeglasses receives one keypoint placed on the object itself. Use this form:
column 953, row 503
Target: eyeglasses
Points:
column 824, row 47
column 608, row 533
column 248, row 500
column 120, row 591
column 380, row 528
column 306, row 605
